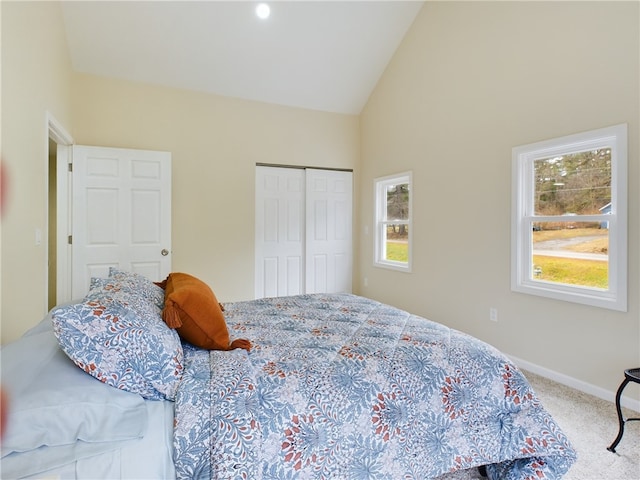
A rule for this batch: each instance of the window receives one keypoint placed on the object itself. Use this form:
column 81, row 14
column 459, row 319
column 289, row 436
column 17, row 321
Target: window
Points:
column 569, row 218
column 393, row 222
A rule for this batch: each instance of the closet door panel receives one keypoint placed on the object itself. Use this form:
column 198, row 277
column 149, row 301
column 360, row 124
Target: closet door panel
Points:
column 329, row 260
column 280, row 229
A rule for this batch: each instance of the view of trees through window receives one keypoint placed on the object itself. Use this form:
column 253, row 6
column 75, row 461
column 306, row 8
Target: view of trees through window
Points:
column 578, row 183
column 397, row 222
column 568, row 249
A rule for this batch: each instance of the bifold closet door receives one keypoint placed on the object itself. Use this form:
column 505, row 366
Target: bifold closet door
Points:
column 303, row 231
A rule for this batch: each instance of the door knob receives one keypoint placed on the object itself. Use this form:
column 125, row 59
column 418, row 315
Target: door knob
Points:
column 164, row 252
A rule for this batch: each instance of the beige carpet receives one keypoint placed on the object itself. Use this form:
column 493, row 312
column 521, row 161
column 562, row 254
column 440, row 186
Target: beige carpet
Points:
column 591, row 425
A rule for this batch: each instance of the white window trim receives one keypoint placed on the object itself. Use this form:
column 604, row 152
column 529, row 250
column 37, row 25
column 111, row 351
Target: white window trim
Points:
column 380, row 198
column 615, row 297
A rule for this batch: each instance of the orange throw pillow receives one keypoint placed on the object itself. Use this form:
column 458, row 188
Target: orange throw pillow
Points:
column 191, row 307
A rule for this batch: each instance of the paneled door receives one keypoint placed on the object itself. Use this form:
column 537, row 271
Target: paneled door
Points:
column 303, row 236
column 280, row 230
column 121, row 214
column 328, row 242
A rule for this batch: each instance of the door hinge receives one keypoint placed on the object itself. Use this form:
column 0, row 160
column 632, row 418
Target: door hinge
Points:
column 70, row 167
column 70, row 239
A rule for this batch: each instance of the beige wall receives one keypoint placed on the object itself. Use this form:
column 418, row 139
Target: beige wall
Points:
column 35, row 80
column 215, row 144
column 469, row 82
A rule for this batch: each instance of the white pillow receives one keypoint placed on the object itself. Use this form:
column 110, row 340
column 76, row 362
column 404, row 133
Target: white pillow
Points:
column 52, row 403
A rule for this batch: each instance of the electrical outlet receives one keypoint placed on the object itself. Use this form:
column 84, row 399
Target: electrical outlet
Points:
column 493, row 314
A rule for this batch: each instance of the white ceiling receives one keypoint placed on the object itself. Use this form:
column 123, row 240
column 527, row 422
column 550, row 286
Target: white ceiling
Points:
column 325, row 55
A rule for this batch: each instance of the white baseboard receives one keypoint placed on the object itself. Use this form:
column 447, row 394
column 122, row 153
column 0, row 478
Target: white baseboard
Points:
column 585, row 387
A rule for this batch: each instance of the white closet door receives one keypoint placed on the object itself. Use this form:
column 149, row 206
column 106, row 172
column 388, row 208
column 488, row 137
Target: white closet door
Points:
column 329, row 259
column 279, row 232
column 121, row 214
column 303, row 231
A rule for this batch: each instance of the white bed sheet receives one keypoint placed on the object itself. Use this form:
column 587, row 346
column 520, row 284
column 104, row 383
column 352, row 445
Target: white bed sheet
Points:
column 150, row 457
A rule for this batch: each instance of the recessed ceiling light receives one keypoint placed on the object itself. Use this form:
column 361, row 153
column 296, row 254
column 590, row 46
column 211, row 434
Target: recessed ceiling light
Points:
column 263, row 11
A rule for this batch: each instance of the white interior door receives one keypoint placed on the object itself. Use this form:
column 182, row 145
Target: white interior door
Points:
column 121, row 214
column 329, row 262
column 280, row 231
column 303, row 231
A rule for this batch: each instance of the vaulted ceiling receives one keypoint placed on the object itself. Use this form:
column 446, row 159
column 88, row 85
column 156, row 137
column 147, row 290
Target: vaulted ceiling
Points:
column 325, row 55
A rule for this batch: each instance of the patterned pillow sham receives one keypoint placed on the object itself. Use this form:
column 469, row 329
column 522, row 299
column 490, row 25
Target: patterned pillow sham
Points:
column 138, row 284
column 124, row 292
column 122, row 341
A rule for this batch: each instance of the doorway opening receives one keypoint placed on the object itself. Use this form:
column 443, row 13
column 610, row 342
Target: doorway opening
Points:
column 58, row 256
column 52, row 244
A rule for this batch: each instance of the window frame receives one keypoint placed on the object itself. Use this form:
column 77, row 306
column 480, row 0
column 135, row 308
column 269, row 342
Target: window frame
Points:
column 380, row 222
column 523, row 217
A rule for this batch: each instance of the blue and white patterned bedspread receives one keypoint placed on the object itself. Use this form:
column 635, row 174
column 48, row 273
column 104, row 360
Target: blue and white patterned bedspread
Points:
column 343, row 387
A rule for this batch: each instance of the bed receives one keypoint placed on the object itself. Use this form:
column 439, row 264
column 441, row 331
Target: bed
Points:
column 322, row 386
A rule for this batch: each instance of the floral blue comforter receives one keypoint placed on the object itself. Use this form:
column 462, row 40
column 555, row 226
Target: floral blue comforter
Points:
column 343, row 387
